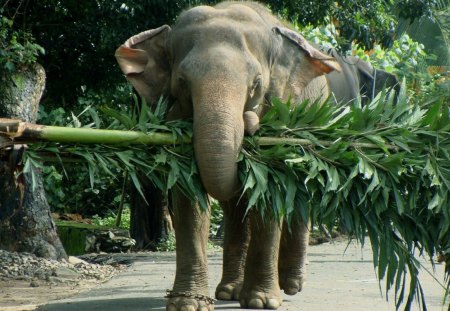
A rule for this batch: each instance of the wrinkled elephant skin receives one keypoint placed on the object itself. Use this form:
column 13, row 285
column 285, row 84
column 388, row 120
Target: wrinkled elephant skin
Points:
column 221, row 66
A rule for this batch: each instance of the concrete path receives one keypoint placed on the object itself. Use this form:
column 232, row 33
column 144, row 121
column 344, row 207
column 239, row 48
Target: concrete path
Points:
column 339, row 278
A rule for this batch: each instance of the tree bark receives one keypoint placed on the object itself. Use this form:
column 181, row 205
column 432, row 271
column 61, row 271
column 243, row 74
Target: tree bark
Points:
column 25, row 220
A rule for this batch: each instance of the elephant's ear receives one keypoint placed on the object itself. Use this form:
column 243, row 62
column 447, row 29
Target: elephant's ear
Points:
column 301, row 60
column 143, row 59
column 323, row 63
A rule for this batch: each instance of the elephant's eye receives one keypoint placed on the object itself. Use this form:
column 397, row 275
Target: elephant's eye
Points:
column 182, row 83
column 256, row 84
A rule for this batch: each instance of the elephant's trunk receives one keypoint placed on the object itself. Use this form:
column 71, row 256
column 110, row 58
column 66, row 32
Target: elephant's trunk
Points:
column 218, row 134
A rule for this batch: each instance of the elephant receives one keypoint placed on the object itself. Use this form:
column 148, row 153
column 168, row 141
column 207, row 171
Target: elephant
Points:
column 221, row 66
column 359, row 80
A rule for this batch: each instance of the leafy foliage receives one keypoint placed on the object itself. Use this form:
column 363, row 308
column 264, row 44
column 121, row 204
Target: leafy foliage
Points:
column 16, row 47
column 68, row 187
column 110, row 219
column 381, row 170
column 80, row 37
column 166, row 166
column 169, row 244
column 365, row 22
column 406, row 59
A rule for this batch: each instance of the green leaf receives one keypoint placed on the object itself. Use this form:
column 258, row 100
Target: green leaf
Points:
column 432, row 115
column 365, row 168
column 174, row 174
column 333, row 179
column 124, row 119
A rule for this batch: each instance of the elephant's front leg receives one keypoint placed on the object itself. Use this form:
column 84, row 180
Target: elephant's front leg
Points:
column 190, row 290
column 261, row 288
column 293, row 254
column 235, row 244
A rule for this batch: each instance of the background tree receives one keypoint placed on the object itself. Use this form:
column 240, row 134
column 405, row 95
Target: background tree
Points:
column 80, row 37
column 25, row 221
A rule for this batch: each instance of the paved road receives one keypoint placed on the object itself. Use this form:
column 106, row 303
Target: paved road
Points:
column 340, row 278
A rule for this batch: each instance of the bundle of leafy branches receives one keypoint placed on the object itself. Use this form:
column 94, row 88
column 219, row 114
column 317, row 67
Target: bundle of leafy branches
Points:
column 380, row 171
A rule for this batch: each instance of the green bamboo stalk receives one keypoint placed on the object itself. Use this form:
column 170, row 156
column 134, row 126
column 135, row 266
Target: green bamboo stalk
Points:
column 22, row 132
column 28, row 132
column 107, row 137
column 271, row 141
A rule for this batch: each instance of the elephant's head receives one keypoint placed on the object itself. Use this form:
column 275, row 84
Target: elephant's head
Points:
column 220, row 66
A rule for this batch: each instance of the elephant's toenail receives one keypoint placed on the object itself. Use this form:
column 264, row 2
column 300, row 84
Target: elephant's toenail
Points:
column 171, row 307
column 256, row 304
column 187, row 308
column 224, row 295
column 291, row 291
column 272, row 304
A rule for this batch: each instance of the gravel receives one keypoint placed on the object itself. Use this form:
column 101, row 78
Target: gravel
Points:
column 28, row 267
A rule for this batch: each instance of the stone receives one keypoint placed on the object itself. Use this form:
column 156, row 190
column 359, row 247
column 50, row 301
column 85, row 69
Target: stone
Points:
column 66, row 272
column 34, row 283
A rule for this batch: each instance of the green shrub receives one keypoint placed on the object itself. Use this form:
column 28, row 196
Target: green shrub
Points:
column 168, row 244
column 71, row 188
column 216, row 218
column 110, row 219
column 17, row 48
column 406, row 59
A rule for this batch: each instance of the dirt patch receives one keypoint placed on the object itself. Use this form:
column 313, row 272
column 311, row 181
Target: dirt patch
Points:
column 18, row 295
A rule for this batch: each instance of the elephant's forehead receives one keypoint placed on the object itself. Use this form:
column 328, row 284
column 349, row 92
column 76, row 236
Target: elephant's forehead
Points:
column 203, row 14
column 237, row 25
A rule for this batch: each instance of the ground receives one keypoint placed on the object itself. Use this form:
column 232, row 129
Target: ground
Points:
column 18, row 295
column 340, row 276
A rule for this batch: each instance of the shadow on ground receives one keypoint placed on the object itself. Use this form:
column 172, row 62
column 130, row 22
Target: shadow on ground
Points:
column 108, row 305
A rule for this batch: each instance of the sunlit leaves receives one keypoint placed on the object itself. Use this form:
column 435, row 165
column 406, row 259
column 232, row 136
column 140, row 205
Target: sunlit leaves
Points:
column 380, row 170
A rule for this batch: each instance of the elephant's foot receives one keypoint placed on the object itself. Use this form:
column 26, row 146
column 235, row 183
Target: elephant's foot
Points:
column 292, row 280
column 189, row 302
column 255, row 299
column 228, row 291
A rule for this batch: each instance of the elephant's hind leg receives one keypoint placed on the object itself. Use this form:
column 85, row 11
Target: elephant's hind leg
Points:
column 190, row 289
column 235, row 244
column 292, row 261
column 261, row 289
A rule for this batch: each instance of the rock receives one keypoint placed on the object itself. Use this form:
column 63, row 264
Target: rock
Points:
column 56, row 280
column 34, row 283
column 66, row 273
column 75, row 260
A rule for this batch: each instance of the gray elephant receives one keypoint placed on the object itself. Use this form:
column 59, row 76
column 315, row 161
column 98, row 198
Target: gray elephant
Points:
column 357, row 79
column 221, row 66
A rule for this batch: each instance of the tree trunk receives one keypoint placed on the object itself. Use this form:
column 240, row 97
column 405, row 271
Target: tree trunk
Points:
column 25, row 220
column 150, row 220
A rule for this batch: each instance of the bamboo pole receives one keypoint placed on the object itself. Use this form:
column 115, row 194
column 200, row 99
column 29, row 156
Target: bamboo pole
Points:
column 22, row 132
